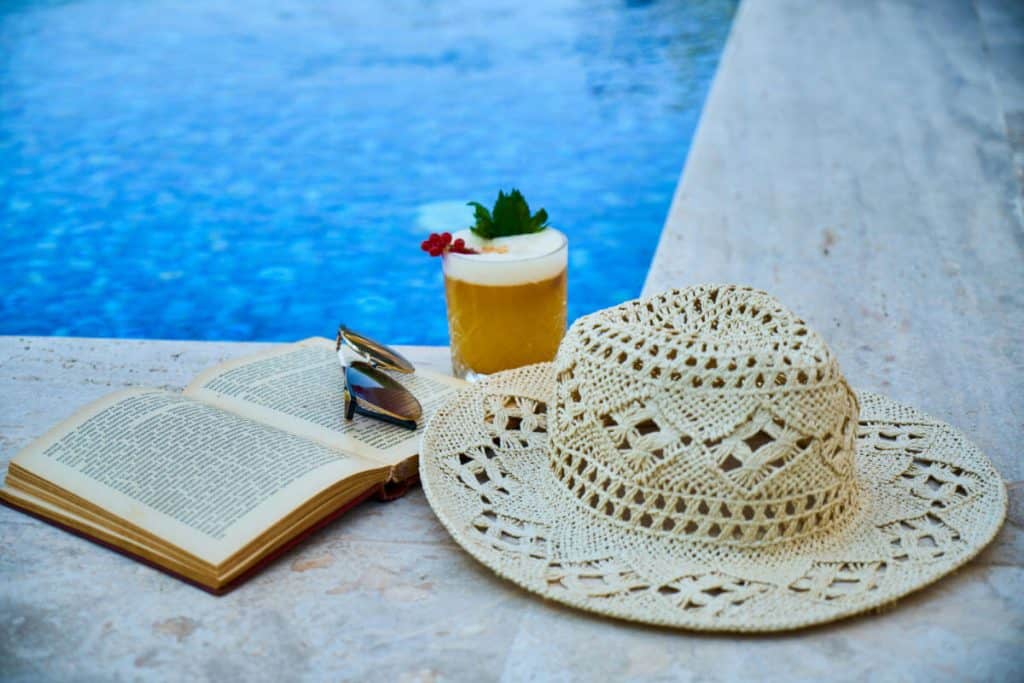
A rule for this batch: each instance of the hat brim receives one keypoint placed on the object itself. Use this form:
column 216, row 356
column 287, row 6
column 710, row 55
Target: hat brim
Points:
column 929, row 501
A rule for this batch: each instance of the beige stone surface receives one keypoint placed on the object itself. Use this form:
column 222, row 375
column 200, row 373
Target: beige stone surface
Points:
column 853, row 161
column 384, row 592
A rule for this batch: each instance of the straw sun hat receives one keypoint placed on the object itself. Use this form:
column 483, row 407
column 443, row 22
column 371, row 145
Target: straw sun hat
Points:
column 696, row 459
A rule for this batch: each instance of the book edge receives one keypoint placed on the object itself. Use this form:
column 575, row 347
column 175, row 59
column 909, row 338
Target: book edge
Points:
column 384, row 492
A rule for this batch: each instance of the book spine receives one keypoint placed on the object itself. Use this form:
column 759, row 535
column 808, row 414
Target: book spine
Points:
column 395, row 489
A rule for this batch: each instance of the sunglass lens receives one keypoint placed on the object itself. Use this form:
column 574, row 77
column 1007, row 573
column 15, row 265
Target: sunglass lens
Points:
column 376, row 391
column 375, row 352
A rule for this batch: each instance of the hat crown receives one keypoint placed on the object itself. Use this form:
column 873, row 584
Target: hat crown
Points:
column 711, row 413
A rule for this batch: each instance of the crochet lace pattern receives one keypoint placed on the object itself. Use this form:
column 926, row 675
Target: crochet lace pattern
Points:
column 696, row 459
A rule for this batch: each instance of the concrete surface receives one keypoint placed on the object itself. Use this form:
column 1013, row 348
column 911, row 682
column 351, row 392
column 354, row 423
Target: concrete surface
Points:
column 864, row 162
column 384, row 593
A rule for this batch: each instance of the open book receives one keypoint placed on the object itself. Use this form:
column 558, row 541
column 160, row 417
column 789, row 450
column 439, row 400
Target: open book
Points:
column 210, row 482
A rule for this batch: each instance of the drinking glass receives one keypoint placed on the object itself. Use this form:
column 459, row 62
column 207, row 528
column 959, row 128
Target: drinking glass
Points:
column 506, row 309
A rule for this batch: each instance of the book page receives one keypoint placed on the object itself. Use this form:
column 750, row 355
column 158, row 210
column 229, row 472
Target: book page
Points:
column 300, row 389
column 204, row 480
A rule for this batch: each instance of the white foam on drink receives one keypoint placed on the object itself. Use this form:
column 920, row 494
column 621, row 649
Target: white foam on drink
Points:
column 526, row 258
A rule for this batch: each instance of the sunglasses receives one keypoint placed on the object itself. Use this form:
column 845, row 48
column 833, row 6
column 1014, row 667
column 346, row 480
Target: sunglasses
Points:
column 368, row 390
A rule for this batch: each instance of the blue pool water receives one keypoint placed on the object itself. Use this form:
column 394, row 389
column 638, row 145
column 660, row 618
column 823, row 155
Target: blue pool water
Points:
column 262, row 169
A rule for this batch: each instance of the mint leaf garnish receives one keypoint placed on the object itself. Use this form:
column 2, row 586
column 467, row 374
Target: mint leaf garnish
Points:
column 484, row 223
column 510, row 216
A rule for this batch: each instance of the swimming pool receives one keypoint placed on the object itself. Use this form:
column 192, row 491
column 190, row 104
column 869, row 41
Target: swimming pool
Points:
column 204, row 171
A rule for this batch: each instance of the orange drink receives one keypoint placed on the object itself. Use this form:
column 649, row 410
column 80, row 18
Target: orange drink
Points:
column 506, row 304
